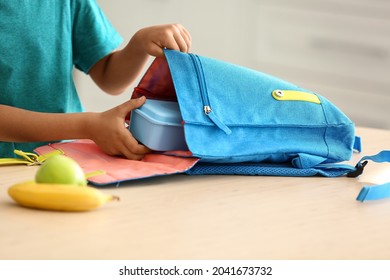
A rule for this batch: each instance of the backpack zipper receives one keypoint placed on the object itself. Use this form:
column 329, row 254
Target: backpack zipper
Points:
column 208, row 111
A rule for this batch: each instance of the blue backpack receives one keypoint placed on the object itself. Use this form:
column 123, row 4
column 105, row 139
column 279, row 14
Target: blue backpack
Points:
column 233, row 120
column 240, row 121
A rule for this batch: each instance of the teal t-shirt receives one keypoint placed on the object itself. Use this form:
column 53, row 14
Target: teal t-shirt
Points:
column 40, row 42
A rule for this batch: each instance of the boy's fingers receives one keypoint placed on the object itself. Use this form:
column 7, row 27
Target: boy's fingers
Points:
column 181, row 43
column 186, row 37
column 182, row 38
column 133, row 150
column 132, row 104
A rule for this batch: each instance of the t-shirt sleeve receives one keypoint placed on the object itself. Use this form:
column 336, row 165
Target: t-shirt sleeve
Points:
column 93, row 35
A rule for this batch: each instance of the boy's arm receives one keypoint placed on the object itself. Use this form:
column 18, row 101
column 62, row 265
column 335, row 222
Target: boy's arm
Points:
column 116, row 72
column 107, row 129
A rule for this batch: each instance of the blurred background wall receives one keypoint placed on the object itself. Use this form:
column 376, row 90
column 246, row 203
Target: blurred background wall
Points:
column 339, row 49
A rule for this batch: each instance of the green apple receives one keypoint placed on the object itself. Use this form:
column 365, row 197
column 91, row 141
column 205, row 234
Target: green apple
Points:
column 60, row 169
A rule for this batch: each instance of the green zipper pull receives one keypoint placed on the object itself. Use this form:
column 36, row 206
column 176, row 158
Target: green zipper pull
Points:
column 29, row 157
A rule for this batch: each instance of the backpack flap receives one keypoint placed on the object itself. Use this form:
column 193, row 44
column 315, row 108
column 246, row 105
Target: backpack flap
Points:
column 235, row 114
column 156, row 83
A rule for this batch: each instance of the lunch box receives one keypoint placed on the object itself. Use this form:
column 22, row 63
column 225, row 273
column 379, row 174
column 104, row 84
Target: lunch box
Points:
column 158, row 125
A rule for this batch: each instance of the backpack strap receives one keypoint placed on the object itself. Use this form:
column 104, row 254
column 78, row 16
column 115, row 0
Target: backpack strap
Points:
column 357, row 145
column 367, row 192
column 377, row 191
column 326, row 170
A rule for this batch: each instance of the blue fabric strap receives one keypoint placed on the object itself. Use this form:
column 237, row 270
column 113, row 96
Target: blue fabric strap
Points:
column 383, row 156
column 378, row 191
column 357, row 145
column 374, row 192
column 327, row 170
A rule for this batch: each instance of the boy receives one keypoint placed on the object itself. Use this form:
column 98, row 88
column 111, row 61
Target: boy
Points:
column 40, row 43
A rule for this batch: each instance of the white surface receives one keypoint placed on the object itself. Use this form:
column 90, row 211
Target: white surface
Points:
column 211, row 218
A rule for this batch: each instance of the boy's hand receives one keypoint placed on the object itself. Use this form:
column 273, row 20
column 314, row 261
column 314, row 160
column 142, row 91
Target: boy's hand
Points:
column 154, row 39
column 111, row 135
column 115, row 72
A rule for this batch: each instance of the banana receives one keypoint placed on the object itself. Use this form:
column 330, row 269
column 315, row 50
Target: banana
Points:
column 59, row 197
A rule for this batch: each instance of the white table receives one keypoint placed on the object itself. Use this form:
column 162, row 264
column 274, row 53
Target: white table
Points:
column 210, row 217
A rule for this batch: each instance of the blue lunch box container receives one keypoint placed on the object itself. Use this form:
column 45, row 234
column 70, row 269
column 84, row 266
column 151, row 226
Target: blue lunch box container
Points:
column 158, row 125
